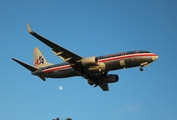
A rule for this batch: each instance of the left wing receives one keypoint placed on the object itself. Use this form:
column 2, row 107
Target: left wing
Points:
column 65, row 54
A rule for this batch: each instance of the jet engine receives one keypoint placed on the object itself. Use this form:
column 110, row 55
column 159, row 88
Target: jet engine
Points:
column 89, row 61
column 100, row 67
column 110, row 78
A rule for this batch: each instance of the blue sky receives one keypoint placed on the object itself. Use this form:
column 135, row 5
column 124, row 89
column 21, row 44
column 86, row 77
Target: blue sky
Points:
column 89, row 28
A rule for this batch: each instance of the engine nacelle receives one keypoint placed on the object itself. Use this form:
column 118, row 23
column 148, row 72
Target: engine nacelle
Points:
column 100, row 67
column 89, row 61
column 110, row 78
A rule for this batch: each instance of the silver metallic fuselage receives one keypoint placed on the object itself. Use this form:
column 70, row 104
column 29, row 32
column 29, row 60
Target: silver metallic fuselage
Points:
column 111, row 62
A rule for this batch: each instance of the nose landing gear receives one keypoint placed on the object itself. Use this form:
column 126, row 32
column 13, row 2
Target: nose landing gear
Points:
column 141, row 68
column 143, row 65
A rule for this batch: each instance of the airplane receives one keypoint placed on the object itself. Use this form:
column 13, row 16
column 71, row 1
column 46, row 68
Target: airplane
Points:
column 94, row 69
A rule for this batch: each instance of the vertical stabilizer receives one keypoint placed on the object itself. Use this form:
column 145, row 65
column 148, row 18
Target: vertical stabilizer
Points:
column 39, row 59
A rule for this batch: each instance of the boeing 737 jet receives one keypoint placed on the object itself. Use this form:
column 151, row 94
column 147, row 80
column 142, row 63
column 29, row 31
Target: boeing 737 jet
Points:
column 94, row 69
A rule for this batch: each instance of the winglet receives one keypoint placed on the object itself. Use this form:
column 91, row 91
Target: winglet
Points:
column 29, row 28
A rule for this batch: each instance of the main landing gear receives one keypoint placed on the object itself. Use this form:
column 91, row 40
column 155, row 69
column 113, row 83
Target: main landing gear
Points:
column 90, row 82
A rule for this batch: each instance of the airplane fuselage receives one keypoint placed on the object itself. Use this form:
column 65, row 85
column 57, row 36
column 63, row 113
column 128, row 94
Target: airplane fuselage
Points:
column 110, row 62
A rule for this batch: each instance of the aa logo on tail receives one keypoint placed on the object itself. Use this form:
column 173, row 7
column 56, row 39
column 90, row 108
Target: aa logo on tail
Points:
column 39, row 61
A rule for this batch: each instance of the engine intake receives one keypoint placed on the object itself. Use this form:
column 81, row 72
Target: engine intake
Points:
column 89, row 61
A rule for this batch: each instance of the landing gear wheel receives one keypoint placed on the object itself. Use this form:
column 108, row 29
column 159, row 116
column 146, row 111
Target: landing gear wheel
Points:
column 90, row 82
column 141, row 69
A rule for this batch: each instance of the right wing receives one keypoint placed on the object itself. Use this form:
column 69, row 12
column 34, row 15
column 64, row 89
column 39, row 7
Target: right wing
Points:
column 65, row 54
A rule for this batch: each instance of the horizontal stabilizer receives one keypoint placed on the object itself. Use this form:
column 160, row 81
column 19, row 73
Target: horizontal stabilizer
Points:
column 29, row 67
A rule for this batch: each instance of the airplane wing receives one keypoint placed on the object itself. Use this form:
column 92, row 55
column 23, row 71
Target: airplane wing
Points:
column 104, row 86
column 65, row 54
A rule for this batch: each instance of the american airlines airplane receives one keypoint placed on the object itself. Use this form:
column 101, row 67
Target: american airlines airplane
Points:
column 94, row 69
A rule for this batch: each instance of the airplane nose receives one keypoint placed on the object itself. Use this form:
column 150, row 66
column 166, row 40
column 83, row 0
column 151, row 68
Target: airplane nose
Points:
column 155, row 57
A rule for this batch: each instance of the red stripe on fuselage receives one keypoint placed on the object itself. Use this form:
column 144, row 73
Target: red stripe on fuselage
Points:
column 57, row 68
column 104, row 60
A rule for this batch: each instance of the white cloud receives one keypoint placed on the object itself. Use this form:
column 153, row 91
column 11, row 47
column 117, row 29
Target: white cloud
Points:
column 131, row 108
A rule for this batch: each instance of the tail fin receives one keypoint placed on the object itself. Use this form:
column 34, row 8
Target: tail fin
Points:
column 39, row 59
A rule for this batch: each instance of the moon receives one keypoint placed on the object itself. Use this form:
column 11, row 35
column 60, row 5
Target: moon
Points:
column 60, row 88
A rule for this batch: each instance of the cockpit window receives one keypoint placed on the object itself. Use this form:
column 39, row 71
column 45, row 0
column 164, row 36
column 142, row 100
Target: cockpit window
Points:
column 131, row 52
